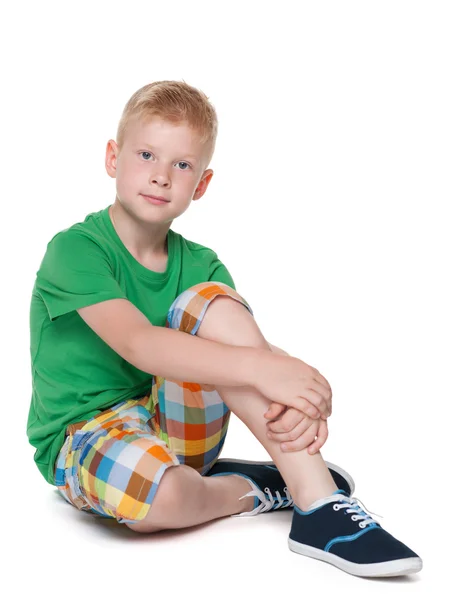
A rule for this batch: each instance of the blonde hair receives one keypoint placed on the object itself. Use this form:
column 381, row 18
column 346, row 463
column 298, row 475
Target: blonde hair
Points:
column 173, row 101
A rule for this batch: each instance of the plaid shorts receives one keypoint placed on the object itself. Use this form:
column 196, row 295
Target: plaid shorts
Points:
column 111, row 465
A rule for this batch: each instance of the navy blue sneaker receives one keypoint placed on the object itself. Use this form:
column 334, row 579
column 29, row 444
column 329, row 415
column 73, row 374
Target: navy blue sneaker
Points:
column 265, row 476
column 337, row 530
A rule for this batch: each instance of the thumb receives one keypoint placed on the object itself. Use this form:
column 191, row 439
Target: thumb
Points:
column 274, row 410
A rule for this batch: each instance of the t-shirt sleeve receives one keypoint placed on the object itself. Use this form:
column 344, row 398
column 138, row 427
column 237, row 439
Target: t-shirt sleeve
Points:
column 75, row 272
column 219, row 272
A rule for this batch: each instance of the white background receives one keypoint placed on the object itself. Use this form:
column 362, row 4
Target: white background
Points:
column 329, row 207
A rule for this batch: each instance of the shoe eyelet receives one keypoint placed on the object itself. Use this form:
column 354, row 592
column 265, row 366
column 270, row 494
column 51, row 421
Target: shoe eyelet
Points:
column 336, row 507
column 362, row 526
column 266, row 489
column 354, row 518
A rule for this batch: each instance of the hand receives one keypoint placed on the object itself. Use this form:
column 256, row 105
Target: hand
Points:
column 295, row 429
column 290, row 381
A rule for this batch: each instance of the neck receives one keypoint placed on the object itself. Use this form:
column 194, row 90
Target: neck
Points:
column 143, row 240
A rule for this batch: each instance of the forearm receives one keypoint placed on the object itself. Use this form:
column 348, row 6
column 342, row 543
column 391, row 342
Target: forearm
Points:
column 180, row 356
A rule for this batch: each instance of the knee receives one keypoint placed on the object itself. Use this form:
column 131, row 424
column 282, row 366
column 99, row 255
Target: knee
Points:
column 166, row 502
column 214, row 289
column 196, row 300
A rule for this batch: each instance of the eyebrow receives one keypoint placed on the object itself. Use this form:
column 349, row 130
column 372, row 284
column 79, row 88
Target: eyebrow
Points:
column 190, row 156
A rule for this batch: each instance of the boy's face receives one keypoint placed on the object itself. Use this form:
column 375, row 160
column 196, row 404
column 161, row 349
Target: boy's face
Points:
column 158, row 158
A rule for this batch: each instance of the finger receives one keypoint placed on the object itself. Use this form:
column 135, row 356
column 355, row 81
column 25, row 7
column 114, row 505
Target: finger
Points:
column 320, row 378
column 290, row 419
column 303, row 442
column 275, row 410
column 290, row 435
column 305, row 405
column 322, row 437
column 315, row 396
column 325, row 390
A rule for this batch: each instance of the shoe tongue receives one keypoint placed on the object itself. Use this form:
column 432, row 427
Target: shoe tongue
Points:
column 337, row 495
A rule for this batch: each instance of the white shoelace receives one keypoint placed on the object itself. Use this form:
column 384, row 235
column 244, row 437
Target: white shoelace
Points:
column 352, row 506
column 267, row 503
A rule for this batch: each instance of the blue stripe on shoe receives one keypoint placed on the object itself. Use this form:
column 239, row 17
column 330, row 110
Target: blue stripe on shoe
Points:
column 349, row 538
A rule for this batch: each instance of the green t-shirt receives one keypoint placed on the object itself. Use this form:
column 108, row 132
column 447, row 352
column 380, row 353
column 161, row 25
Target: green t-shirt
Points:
column 75, row 374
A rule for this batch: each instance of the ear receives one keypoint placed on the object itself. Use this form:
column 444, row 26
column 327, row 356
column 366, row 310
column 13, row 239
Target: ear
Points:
column 112, row 152
column 203, row 184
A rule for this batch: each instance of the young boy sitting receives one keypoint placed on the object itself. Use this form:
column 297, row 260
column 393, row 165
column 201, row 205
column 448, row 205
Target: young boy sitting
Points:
column 121, row 393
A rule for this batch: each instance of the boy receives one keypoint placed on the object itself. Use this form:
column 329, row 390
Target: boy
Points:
column 116, row 400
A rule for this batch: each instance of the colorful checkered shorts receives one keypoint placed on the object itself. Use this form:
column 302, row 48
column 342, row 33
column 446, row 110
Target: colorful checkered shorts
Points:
column 111, row 465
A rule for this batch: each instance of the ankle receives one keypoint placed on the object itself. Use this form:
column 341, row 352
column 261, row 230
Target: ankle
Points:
column 305, row 497
column 224, row 493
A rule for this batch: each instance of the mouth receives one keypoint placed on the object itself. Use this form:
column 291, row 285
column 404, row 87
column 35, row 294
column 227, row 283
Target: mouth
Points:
column 157, row 199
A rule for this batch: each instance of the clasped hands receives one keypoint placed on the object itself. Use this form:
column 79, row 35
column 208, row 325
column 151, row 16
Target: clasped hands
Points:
column 295, row 430
column 292, row 428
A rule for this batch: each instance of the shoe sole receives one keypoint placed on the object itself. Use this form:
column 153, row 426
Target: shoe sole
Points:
column 392, row 568
column 339, row 470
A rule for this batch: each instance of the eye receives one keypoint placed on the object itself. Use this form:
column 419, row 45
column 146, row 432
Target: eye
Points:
column 181, row 162
column 144, row 153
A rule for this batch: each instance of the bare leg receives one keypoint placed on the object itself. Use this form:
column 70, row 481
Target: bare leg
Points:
column 307, row 477
column 185, row 498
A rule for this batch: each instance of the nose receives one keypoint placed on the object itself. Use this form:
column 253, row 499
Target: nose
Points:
column 160, row 176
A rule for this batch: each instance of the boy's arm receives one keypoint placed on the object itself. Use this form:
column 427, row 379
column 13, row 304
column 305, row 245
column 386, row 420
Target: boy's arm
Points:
column 169, row 353
column 179, row 356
